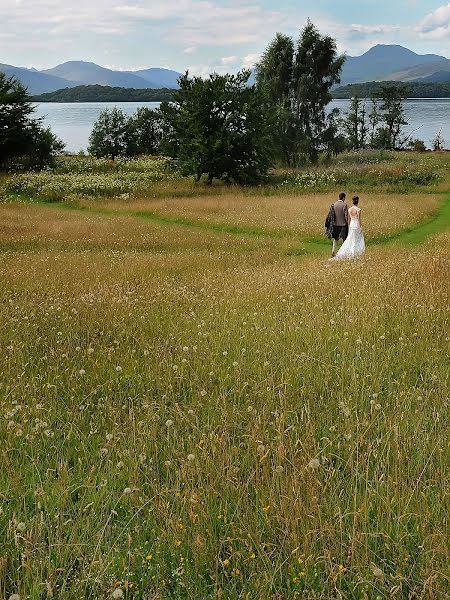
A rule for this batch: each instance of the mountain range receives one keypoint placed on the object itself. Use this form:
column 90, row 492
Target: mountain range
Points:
column 380, row 63
column 75, row 73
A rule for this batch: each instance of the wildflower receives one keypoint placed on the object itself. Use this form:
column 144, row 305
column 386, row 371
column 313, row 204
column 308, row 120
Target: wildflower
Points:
column 90, row 350
column 169, row 423
column 127, row 491
column 21, row 527
column 185, row 348
column 226, row 562
column 120, row 464
column 279, row 469
column 178, row 543
column 109, row 437
column 149, row 557
column 81, row 372
column 342, row 569
column 14, row 597
column 203, row 393
column 119, row 369
column 191, row 457
column 118, row 593
column 314, row 463
column 235, row 571
column 167, row 463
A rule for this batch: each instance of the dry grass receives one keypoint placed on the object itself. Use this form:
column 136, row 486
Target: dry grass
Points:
column 187, row 414
column 304, row 214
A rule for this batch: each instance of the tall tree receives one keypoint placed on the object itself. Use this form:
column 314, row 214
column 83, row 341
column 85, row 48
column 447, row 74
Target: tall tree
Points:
column 317, row 67
column 274, row 79
column 217, row 127
column 297, row 80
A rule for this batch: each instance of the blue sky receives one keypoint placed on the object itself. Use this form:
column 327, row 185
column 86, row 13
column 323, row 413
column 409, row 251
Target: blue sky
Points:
column 206, row 35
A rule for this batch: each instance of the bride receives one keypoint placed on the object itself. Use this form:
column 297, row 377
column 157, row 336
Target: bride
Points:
column 354, row 245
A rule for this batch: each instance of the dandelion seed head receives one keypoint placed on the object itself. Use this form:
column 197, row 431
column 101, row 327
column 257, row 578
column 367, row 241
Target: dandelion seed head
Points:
column 191, row 457
column 117, row 593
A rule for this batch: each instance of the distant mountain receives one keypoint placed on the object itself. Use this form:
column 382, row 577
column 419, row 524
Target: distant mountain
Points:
column 159, row 78
column 381, row 61
column 88, row 73
column 36, row 82
column 431, row 72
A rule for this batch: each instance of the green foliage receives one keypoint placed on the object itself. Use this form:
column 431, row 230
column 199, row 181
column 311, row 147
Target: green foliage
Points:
column 24, row 142
column 415, row 89
column 218, row 127
column 381, row 128
column 145, row 129
column 296, row 80
column 355, row 125
column 110, row 136
column 389, row 136
column 116, row 135
column 104, row 93
column 417, row 145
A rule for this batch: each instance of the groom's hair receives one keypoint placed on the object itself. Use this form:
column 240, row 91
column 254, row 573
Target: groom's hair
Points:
column 342, row 196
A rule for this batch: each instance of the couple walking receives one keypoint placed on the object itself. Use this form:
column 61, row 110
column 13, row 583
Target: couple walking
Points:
column 344, row 224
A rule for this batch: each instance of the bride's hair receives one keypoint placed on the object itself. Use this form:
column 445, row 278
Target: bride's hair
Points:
column 355, row 200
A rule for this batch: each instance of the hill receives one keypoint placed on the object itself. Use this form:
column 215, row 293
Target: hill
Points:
column 35, row 81
column 414, row 89
column 88, row 73
column 101, row 93
column 435, row 71
column 383, row 60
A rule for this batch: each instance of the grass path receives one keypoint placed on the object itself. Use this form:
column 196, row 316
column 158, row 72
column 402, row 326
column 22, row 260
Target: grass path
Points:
column 415, row 234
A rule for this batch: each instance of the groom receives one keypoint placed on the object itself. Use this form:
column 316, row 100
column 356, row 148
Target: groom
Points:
column 336, row 224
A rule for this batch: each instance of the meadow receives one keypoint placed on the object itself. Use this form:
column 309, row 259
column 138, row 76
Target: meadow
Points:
column 196, row 404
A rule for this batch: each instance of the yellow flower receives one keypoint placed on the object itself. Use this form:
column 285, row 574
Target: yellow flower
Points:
column 266, row 508
column 252, row 555
column 226, row 562
column 295, row 580
column 235, row 571
column 300, row 561
column 178, row 542
column 342, row 569
column 149, row 556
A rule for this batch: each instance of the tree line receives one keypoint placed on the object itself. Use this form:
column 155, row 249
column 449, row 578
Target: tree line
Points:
column 414, row 89
column 105, row 93
column 222, row 127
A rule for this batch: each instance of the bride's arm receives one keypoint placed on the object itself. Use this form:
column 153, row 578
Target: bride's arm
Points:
column 359, row 217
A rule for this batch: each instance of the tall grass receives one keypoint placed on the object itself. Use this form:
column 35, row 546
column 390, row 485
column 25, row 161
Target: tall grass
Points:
column 191, row 414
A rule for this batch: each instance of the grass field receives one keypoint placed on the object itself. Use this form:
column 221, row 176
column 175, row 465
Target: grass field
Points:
column 195, row 404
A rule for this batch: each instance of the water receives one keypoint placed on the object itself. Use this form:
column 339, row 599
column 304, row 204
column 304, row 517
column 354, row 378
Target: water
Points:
column 72, row 122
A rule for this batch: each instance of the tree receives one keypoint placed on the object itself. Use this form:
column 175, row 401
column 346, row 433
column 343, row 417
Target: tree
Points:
column 392, row 117
column 297, row 80
column 111, row 135
column 317, row 67
column 218, row 127
column 355, row 124
column 23, row 138
column 274, row 78
column 145, row 132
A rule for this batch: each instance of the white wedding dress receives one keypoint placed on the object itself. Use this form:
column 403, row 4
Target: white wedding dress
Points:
column 354, row 245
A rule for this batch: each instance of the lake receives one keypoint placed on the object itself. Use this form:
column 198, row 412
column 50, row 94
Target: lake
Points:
column 73, row 122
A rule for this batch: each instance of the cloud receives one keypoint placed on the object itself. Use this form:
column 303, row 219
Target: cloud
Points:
column 436, row 25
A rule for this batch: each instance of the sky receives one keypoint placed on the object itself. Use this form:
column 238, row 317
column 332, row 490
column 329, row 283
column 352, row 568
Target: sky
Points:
column 206, row 35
